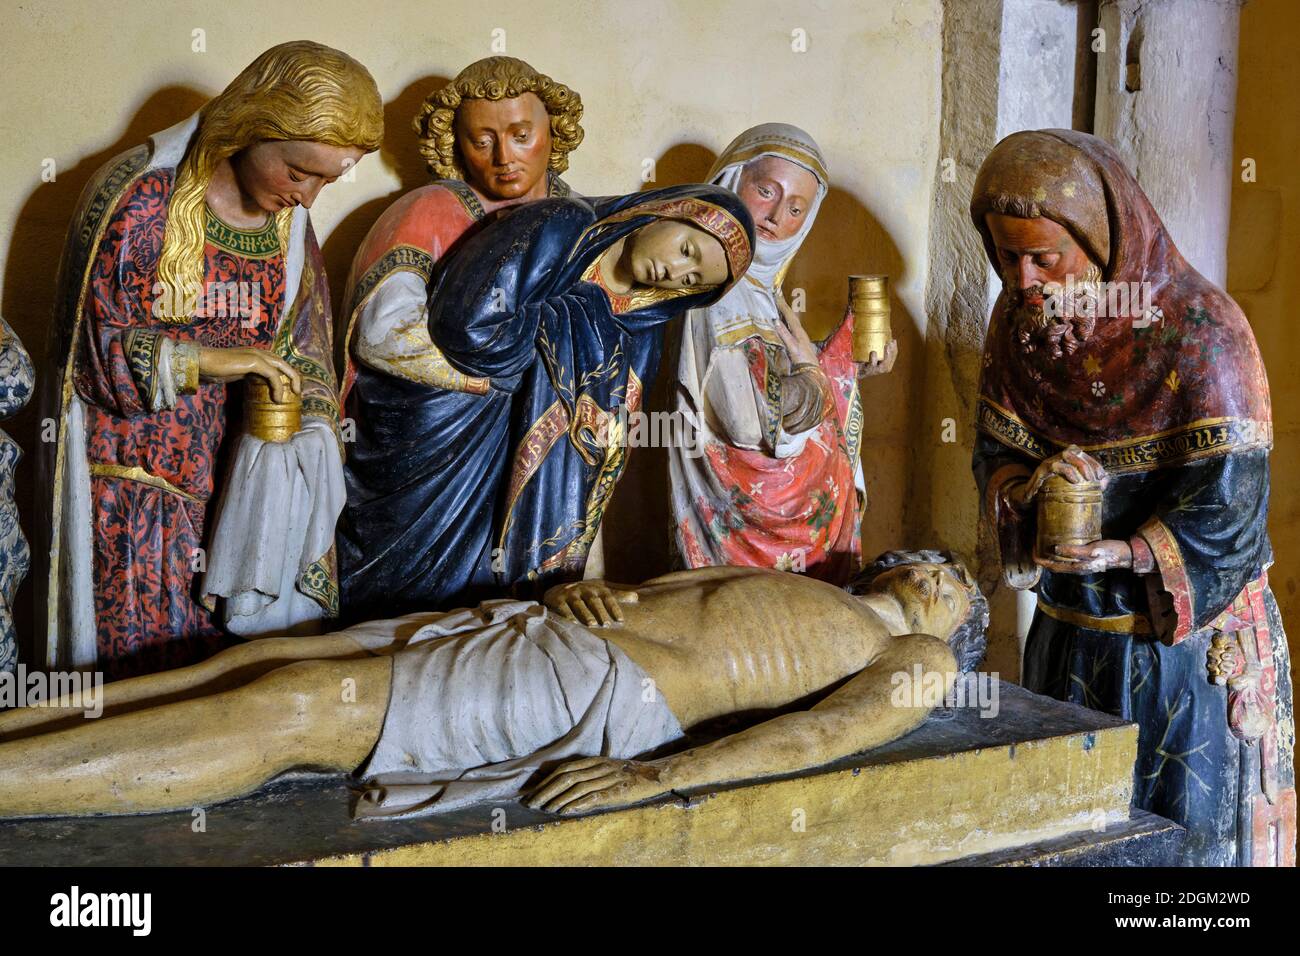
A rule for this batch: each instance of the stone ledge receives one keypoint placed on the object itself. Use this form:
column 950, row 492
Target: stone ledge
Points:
column 958, row 786
column 1142, row 840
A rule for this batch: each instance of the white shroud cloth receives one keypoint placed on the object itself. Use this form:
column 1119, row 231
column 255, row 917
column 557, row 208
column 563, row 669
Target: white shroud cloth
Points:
column 484, row 698
column 279, row 507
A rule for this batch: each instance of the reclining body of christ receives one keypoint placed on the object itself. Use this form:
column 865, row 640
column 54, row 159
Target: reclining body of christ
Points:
column 438, row 710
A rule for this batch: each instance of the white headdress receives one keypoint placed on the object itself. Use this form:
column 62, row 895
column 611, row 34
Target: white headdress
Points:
column 753, row 301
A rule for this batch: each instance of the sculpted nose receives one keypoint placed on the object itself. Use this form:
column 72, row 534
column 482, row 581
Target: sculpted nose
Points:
column 1025, row 274
column 1030, row 275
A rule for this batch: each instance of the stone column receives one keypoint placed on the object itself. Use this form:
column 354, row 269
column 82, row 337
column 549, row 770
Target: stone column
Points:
column 1007, row 65
column 1166, row 92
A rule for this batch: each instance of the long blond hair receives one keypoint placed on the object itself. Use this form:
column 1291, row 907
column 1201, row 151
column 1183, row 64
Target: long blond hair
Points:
column 495, row 78
column 294, row 91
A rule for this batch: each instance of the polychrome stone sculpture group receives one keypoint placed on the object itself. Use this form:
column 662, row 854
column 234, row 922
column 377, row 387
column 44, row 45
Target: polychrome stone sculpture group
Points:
column 255, row 497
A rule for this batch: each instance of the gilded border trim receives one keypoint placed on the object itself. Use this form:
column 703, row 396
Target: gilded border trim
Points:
column 260, row 243
column 318, row 582
column 283, row 344
column 734, row 239
column 79, row 258
column 401, row 258
column 781, row 146
column 853, row 423
column 1173, row 575
column 466, row 195
column 532, row 451
column 1205, row 438
column 141, row 347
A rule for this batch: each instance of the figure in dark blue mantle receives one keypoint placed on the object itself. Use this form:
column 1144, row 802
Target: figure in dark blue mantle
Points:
column 1141, row 375
column 557, row 308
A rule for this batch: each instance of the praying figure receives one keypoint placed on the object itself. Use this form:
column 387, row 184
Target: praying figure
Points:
column 191, row 265
column 553, row 314
column 497, row 135
column 519, row 697
column 771, row 476
column 1110, row 362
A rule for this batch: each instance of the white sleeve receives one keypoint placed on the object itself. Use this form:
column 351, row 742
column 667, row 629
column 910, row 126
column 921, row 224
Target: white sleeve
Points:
column 736, row 407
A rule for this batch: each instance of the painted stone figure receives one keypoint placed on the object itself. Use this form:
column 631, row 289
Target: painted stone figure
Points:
column 17, row 379
column 516, row 697
column 191, row 264
column 1121, row 386
column 497, row 135
column 553, row 313
column 772, row 477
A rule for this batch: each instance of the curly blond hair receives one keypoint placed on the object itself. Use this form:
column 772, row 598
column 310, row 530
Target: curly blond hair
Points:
column 495, row 78
column 294, row 91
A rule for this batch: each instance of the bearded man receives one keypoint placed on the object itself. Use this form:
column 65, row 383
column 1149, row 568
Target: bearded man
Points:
column 1167, row 619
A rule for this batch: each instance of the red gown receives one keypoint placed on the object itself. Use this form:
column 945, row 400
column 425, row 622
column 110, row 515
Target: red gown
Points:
column 151, row 531
column 155, row 464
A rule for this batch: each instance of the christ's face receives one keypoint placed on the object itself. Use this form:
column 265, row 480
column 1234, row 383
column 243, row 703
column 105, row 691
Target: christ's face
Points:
column 932, row 600
column 778, row 194
column 505, row 144
column 278, row 174
column 673, row 254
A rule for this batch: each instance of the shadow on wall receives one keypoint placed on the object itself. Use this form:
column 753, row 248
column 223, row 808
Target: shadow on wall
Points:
column 681, row 164
column 400, row 153
column 848, row 240
column 845, row 240
column 27, row 297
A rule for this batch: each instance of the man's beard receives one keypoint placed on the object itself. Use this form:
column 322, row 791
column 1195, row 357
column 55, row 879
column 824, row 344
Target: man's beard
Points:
column 1072, row 320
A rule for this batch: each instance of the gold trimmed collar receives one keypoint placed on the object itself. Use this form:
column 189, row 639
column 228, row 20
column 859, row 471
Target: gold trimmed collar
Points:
column 260, row 243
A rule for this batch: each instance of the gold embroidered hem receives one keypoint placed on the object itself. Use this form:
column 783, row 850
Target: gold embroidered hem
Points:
column 1206, row 438
column 729, row 334
column 136, row 473
column 638, row 297
column 784, row 146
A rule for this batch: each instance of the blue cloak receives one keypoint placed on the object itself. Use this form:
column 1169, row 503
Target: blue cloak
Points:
column 454, row 496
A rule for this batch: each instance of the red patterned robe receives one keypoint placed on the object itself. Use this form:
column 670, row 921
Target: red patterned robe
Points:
column 154, row 465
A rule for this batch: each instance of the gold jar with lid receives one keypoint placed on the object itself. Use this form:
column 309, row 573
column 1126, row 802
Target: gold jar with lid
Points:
column 869, row 303
column 266, row 418
column 1068, row 513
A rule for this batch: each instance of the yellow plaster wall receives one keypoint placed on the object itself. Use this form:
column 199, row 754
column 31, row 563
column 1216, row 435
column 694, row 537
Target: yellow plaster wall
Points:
column 1264, row 257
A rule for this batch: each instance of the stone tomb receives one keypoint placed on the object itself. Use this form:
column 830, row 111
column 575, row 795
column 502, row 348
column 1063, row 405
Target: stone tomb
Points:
column 1042, row 782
